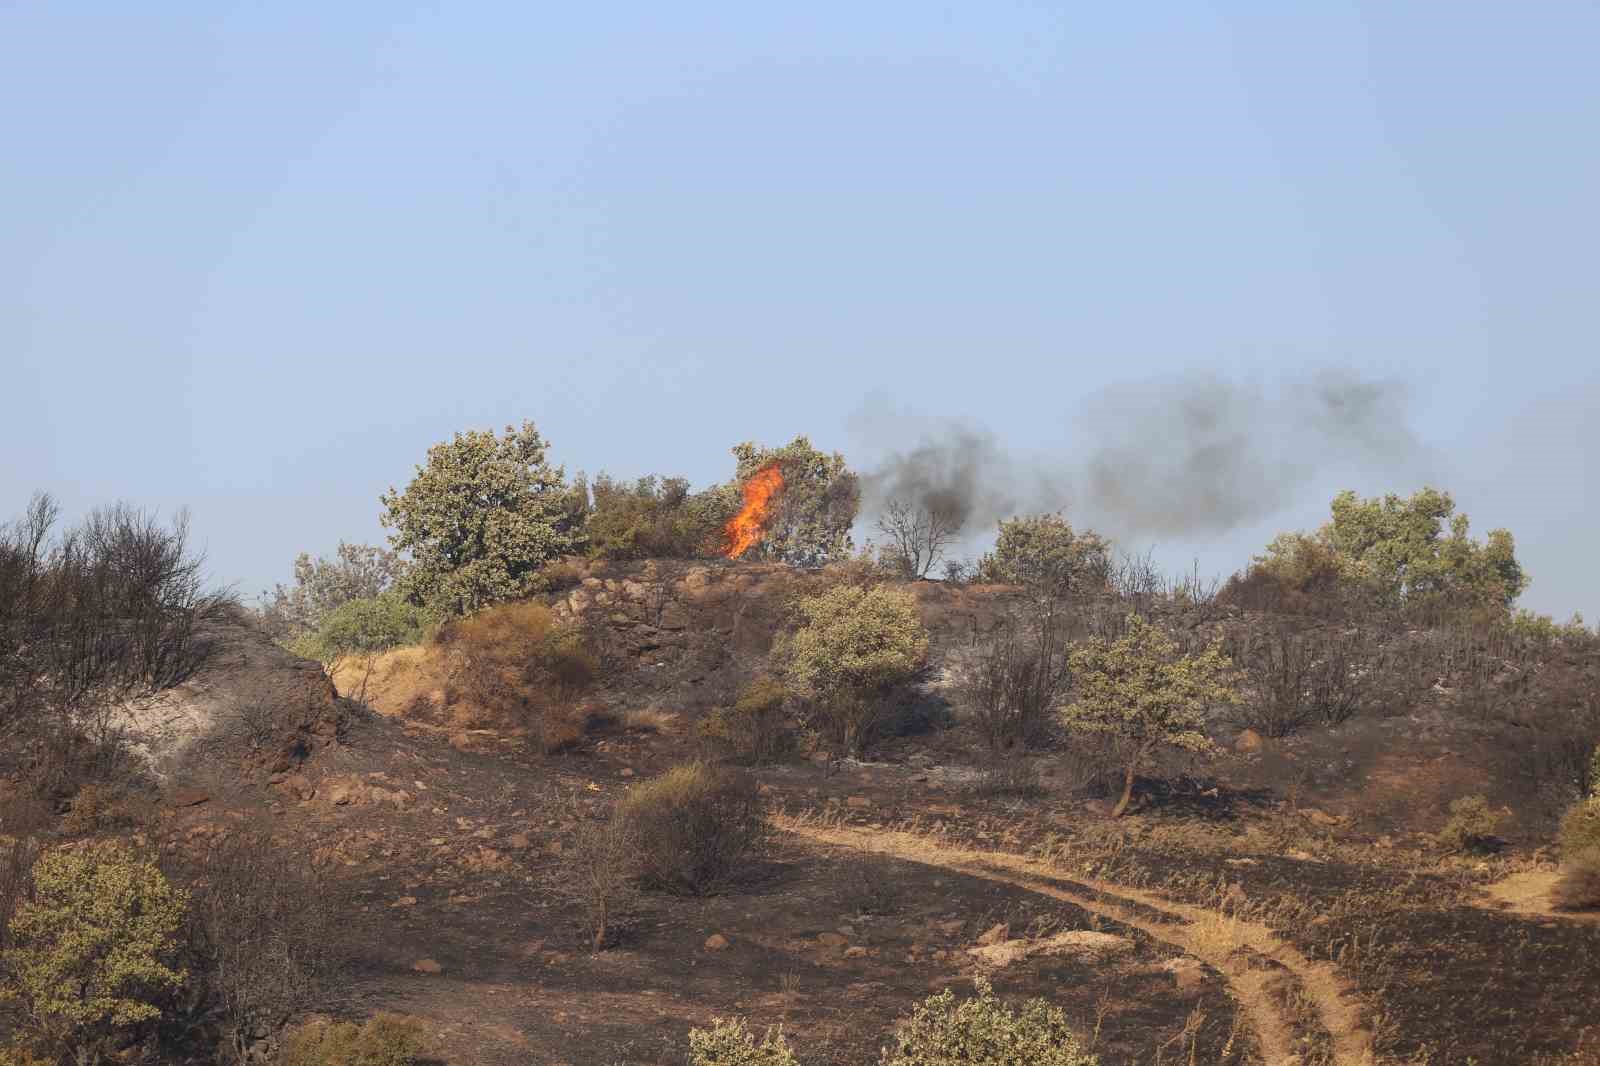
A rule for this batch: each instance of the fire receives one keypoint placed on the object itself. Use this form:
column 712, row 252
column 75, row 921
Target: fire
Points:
column 761, row 492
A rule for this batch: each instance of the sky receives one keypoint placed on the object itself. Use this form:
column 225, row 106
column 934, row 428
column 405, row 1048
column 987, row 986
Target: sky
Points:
column 256, row 258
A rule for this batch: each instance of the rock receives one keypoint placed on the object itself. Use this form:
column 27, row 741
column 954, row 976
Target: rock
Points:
column 1082, row 944
column 856, row 952
column 427, row 966
column 831, row 940
column 716, row 942
column 858, row 802
column 952, row 927
column 997, row 934
column 519, row 841
column 1323, row 818
column 343, row 793
column 188, row 797
column 627, row 771
column 299, row 786
column 405, row 901
column 920, row 760
column 1249, row 742
column 1189, row 973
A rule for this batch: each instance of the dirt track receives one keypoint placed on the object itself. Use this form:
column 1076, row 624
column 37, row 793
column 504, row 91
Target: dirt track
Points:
column 1213, row 939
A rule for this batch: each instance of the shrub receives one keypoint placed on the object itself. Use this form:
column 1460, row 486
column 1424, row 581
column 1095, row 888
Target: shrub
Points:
column 651, row 519
column 754, row 726
column 1010, row 682
column 693, row 826
column 1594, row 773
column 480, row 519
column 853, row 648
column 600, row 873
column 356, row 572
column 1579, row 886
column 371, row 625
column 515, row 661
column 266, row 938
column 89, row 951
column 1580, row 828
column 1471, row 825
column 1046, row 556
column 982, row 1031
column 1139, row 695
column 729, row 1043
column 385, row 1040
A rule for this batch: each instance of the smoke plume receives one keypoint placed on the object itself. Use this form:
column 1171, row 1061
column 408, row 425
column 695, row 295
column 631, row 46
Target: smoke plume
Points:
column 1194, row 455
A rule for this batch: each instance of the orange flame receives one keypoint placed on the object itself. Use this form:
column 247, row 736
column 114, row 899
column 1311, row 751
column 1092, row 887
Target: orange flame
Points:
column 744, row 530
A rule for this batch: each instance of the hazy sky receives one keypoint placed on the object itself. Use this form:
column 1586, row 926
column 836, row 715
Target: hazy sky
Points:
column 255, row 258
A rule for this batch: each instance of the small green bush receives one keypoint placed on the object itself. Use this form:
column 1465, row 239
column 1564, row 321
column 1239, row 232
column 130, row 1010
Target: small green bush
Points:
column 693, row 826
column 385, row 1040
column 1472, row 824
column 365, row 627
column 1580, row 829
column 753, row 728
column 88, row 953
column 1579, row 887
column 729, row 1043
column 983, row 1031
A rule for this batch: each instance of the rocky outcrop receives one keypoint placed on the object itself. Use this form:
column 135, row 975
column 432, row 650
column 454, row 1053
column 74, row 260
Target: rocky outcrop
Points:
column 251, row 704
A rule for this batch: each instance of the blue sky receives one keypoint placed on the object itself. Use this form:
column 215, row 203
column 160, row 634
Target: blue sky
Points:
column 255, row 258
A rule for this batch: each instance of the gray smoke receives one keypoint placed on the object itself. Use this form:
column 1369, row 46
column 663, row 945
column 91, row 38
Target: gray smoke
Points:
column 1194, row 455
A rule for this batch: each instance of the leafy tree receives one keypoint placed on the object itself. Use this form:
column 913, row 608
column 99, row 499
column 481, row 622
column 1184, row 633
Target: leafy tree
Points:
column 1047, row 557
column 655, row 518
column 1414, row 550
column 1141, row 695
column 812, row 520
column 356, row 572
column 90, row 952
column 854, row 646
column 480, row 519
column 366, row 627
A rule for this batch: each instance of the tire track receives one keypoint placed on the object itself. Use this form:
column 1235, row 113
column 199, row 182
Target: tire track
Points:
column 1203, row 933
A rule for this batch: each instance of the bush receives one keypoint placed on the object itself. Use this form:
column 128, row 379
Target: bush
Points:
column 1045, row 555
column 982, row 1031
column 811, row 519
column 1580, row 828
column 853, row 648
column 693, row 826
column 90, row 949
column 1579, row 886
column 753, row 728
column 516, row 662
column 600, row 874
column 356, row 572
column 1471, row 825
column 1594, row 773
column 1011, row 681
column 371, row 625
column 480, row 519
column 729, row 1043
column 652, row 519
column 266, row 938
column 385, row 1040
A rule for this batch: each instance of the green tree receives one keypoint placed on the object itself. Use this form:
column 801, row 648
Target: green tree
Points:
column 1414, row 550
column 357, row 571
column 480, row 519
column 655, row 518
column 811, row 523
column 853, row 647
column 1047, row 557
column 1142, row 695
column 90, row 952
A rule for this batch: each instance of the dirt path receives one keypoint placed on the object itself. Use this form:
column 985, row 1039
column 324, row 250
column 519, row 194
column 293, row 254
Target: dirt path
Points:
column 1205, row 934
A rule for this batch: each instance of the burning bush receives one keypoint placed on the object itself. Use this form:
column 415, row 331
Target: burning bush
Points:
column 799, row 504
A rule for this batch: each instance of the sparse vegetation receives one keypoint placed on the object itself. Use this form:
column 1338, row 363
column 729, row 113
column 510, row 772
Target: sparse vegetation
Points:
column 694, row 827
column 753, row 728
column 1579, row 886
column 1580, row 829
column 916, row 535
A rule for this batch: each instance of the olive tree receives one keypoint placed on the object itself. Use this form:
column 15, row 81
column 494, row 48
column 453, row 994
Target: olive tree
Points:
column 480, row 518
column 1141, row 695
column 321, row 585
